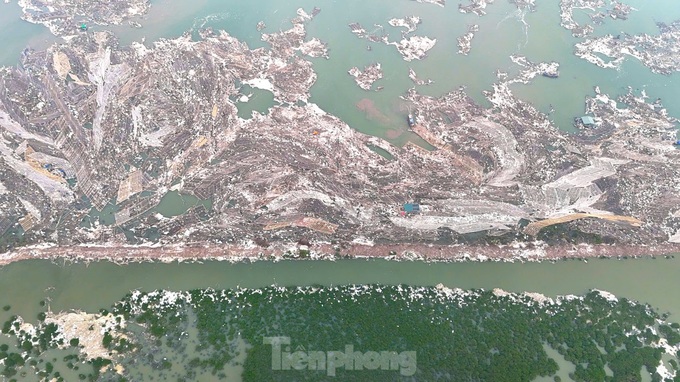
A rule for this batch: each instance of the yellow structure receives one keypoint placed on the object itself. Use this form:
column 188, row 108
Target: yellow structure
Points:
column 39, row 167
column 533, row 228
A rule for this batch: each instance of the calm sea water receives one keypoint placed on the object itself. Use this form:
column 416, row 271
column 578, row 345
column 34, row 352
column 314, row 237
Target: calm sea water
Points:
column 97, row 285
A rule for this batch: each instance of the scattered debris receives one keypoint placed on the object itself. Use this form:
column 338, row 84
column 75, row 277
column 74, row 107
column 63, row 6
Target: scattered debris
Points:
column 164, row 117
column 476, row 6
column 441, row 3
column 368, row 76
column 615, row 9
column 68, row 17
column 412, row 48
column 414, row 77
column 660, row 53
column 410, row 24
column 465, row 41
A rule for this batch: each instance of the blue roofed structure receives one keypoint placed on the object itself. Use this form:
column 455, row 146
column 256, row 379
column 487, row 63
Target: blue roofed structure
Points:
column 587, row 121
column 411, row 207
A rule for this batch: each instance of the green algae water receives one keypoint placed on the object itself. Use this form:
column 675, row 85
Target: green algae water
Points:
column 18, row 34
column 98, row 285
column 174, row 204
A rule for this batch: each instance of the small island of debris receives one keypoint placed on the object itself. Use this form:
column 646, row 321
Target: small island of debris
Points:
column 368, row 76
column 660, row 53
column 63, row 19
column 465, row 41
column 475, row 6
column 411, row 48
column 615, row 9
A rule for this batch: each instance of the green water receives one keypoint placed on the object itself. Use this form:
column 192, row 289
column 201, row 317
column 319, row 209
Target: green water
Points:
column 578, row 77
column 171, row 204
column 106, row 216
column 18, row 34
column 258, row 100
column 174, row 204
column 501, row 34
column 382, row 152
column 97, row 285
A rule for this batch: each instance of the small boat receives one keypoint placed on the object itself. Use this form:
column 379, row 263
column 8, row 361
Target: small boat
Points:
column 551, row 74
column 411, row 120
column 677, row 143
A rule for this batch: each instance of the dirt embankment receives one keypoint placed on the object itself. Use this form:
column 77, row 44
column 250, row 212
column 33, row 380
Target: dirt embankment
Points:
column 425, row 252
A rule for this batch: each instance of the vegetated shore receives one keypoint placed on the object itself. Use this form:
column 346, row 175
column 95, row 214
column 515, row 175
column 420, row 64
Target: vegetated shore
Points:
column 124, row 254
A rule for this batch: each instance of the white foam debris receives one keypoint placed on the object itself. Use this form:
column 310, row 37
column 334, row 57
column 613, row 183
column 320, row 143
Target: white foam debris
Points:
column 410, row 24
column 27, row 327
column 414, row 77
column 668, row 348
column 448, row 292
column 368, row 76
column 301, row 12
column 538, row 297
column 139, row 48
column 415, row 47
column 657, row 52
column 465, row 41
column 607, row 295
column 531, row 70
column 675, row 238
column 315, row 109
column 412, row 48
column 665, row 374
column 314, row 48
column 33, row 210
column 170, row 297
column 441, row 3
column 476, row 6
column 260, row 83
column 361, row 240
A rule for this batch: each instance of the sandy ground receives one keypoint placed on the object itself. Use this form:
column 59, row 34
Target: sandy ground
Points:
column 517, row 252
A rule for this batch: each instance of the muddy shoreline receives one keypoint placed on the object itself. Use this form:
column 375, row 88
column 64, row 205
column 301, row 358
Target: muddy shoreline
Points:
column 421, row 252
